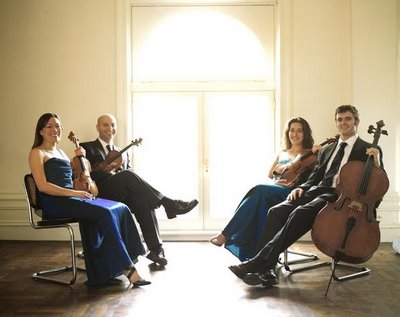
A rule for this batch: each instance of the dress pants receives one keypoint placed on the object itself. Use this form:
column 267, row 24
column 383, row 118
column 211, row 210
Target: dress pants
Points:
column 142, row 199
column 289, row 221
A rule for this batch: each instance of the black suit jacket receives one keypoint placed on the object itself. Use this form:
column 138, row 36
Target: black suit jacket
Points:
column 95, row 154
column 358, row 153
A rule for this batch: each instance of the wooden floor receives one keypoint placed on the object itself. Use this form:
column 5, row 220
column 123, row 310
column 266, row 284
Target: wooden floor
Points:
column 196, row 282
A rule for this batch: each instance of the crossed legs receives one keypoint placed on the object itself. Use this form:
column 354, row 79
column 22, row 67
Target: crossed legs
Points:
column 289, row 221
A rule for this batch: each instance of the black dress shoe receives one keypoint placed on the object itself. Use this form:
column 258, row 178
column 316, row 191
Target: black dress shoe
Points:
column 265, row 279
column 243, row 269
column 268, row 278
column 157, row 256
column 253, row 279
column 178, row 207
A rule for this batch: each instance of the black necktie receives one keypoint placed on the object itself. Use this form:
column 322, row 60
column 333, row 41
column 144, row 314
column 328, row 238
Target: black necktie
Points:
column 328, row 178
column 109, row 147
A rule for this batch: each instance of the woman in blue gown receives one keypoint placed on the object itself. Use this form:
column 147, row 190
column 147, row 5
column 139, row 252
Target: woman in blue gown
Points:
column 110, row 239
column 243, row 234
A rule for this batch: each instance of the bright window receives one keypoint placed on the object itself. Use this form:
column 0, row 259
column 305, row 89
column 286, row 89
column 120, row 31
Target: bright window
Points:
column 203, row 81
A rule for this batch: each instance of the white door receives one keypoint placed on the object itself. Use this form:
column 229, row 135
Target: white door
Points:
column 203, row 85
column 211, row 146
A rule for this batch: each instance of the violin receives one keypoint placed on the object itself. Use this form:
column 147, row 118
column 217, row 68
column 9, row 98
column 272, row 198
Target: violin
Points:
column 113, row 159
column 81, row 171
column 347, row 230
column 291, row 172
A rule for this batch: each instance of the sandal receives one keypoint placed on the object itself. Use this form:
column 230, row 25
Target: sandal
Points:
column 138, row 281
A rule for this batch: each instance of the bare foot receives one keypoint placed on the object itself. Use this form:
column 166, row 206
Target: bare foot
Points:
column 218, row 240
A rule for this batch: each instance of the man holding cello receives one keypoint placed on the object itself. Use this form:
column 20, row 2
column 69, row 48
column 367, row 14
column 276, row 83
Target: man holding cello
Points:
column 294, row 217
column 121, row 183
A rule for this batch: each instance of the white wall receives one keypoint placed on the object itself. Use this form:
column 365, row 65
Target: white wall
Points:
column 60, row 56
column 346, row 52
column 55, row 56
column 375, row 34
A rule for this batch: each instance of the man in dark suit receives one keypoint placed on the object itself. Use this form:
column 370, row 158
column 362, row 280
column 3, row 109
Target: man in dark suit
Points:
column 290, row 220
column 126, row 186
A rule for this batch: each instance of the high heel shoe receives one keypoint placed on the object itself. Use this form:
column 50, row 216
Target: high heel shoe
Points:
column 140, row 281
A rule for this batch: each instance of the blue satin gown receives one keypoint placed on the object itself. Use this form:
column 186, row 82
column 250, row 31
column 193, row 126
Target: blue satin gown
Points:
column 244, row 231
column 110, row 238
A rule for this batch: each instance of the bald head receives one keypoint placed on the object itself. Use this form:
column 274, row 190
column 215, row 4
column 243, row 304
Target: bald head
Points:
column 106, row 116
column 107, row 127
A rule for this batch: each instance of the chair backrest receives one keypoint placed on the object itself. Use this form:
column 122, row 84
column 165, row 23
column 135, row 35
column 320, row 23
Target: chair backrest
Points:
column 32, row 196
column 34, row 206
column 31, row 191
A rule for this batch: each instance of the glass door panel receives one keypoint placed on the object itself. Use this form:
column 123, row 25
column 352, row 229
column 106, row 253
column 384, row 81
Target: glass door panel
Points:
column 240, row 133
column 212, row 146
column 169, row 155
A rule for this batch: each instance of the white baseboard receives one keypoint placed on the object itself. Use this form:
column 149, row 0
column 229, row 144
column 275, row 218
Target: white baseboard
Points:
column 26, row 232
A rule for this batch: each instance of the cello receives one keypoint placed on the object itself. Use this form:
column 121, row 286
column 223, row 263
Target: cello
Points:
column 81, row 171
column 347, row 230
column 291, row 172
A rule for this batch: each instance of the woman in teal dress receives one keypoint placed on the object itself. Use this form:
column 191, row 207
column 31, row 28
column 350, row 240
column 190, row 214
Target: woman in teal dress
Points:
column 243, row 233
column 110, row 239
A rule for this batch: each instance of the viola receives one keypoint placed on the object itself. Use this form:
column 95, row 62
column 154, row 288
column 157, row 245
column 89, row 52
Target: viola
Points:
column 347, row 230
column 113, row 159
column 291, row 172
column 81, row 170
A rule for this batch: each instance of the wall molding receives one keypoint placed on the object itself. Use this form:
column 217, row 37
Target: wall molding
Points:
column 14, row 224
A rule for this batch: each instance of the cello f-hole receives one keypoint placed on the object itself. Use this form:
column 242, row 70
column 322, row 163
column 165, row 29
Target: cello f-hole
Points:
column 339, row 206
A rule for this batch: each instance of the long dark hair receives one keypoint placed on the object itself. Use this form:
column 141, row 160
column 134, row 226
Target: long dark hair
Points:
column 42, row 122
column 308, row 140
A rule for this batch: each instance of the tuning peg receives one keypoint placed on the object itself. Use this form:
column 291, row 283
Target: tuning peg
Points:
column 371, row 129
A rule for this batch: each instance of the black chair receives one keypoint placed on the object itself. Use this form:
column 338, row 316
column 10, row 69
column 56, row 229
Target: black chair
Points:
column 36, row 221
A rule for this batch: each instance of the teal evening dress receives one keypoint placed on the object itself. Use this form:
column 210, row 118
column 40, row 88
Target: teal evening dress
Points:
column 245, row 229
column 110, row 239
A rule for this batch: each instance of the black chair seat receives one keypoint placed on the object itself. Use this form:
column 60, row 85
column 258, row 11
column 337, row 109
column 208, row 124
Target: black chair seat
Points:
column 56, row 222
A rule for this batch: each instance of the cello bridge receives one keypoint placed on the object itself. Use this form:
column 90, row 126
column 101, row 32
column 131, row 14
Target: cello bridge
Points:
column 355, row 205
